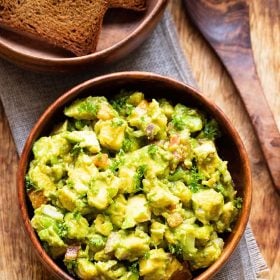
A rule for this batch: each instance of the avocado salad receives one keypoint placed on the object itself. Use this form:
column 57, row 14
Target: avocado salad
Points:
column 131, row 188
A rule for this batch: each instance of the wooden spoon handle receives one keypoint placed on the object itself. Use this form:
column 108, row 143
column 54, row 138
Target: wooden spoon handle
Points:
column 225, row 25
column 248, row 84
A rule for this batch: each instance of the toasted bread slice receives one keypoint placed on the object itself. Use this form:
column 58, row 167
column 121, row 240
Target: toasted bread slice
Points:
column 70, row 24
column 136, row 5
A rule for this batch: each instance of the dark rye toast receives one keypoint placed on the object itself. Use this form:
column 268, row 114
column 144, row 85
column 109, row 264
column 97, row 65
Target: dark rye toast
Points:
column 73, row 25
column 136, row 5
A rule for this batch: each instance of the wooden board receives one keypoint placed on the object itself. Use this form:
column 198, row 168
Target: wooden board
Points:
column 17, row 260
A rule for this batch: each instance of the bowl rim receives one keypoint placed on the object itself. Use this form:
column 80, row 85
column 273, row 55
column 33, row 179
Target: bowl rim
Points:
column 73, row 93
column 8, row 51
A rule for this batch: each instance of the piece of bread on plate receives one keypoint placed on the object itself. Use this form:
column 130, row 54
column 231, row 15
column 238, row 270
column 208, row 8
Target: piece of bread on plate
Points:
column 73, row 25
column 136, row 5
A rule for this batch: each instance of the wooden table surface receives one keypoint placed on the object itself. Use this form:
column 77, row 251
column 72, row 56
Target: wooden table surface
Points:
column 215, row 83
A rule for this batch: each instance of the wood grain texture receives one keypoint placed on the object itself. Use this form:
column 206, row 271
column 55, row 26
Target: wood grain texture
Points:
column 225, row 25
column 17, row 260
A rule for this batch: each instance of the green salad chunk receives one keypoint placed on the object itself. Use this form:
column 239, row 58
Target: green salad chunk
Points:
column 131, row 188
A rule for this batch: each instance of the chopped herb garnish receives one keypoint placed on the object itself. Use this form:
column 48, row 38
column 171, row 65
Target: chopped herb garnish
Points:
column 195, row 180
column 127, row 144
column 146, row 255
column 71, row 266
column 76, row 150
column 121, row 106
column 211, row 130
column 117, row 161
column 62, row 229
column 28, row 183
column 179, row 174
column 80, row 124
column 88, row 107
column 238, row 202
column 220, row 188
column 97, row 241
column 176, row 250
column 140, row 171
column 134, row 268
column 178, row 122
column 117, row 122
column 152, row 150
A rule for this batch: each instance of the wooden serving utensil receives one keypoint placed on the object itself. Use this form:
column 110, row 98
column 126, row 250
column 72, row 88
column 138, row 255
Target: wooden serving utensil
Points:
column 225, row 25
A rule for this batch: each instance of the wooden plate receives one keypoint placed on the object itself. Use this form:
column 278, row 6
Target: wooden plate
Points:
column 122, row 32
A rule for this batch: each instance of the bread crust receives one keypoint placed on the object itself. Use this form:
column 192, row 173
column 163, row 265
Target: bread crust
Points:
column 73, row 25
column 136, row 5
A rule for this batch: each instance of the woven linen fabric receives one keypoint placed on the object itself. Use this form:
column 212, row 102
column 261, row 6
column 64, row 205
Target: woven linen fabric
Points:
column 25, row 95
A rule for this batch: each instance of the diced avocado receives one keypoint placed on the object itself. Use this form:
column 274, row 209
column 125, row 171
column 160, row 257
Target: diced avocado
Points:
column 86, row 269
column 48, row 221
column 130, row 276
column 51, row 236
column 158, row 194
column 173, row 268
column 137, row 211
column 207, row 255
column 186, row 118
column 205, row 150
column 166, row 108
column 128, row 246
column 102, row 256
column 229, row 212
column 110, row 269
column 207, row 205
column 98, row 197
column 132, row 247
column 70, row 200
column 40, row 180
column 45, row 216
column 103, row 225
column 85, row 139
column 57, row 252
column 128, row 177
column 48, row 148
column 174, row 219
column 135, row 98
column 157, row 232
column 188, row 236
column 90, row 108
column 81, row 174
column 96, row 241
column 117, row 210
column 185, row 235
column 179, row 189
column 67, row 198
column 157, row 164
column 111, row 133
column 77, row 226
column 103, row 189
column 154, row 266
column 149, row 119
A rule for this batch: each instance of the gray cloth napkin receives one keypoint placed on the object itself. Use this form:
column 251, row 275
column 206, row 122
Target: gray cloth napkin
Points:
column 25, row 96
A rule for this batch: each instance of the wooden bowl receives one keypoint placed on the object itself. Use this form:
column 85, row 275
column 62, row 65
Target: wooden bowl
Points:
column 122, row 32
column 229, row 145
